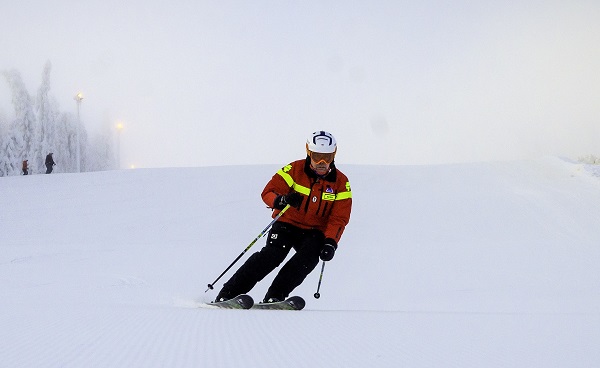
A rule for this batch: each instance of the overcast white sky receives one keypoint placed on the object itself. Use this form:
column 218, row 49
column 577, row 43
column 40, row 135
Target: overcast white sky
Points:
column 244, row 82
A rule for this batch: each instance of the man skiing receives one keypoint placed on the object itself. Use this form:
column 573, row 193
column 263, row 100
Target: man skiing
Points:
column 320, row 203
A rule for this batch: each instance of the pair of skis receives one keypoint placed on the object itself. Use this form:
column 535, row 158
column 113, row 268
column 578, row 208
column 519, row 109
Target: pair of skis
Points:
column 245, row 301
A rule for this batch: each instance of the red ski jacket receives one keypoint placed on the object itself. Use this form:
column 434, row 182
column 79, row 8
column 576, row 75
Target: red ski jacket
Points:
column 326, row 201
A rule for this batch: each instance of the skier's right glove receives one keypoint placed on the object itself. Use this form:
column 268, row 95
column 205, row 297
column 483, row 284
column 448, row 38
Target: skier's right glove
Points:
column 294, row 199
column 328, row 250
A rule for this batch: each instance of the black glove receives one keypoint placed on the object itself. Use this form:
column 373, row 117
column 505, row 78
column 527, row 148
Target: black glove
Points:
column 294, row 199
column 328, row 250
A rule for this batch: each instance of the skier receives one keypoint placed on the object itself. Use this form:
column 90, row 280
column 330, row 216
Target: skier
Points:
column 320, row 202
column 25, row 167
column 49, row 163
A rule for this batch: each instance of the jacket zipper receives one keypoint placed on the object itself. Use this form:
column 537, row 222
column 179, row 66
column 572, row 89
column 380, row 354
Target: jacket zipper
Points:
column 310, row 196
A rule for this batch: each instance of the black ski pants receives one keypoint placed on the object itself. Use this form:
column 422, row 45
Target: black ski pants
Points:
column 281, row 239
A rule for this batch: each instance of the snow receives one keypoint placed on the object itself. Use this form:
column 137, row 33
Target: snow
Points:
column 491, row 264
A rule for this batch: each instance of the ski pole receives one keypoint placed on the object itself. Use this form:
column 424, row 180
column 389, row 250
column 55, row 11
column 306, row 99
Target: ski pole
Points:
column 210, row 286
column 317, row 294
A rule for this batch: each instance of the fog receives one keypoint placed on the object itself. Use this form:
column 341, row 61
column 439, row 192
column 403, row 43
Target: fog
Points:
column 199, row 83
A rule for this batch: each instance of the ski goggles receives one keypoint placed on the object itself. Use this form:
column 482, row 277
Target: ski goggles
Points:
column 319, row 157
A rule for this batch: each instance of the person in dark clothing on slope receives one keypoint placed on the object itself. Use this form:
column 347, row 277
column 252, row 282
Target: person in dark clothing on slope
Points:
column 25, row 167
column 49, row 163
column 320, row 203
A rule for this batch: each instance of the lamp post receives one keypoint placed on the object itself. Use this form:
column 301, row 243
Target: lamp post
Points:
column 78, row 98
column 119, row 129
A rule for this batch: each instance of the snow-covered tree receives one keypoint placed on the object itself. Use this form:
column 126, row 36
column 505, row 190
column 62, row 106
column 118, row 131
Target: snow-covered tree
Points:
column 65, row 151
column 3, row 124
column 83, row 154
column 5, row 162
column 10, row 159
column 47, row 114
column 40, row 128
column 23, row 130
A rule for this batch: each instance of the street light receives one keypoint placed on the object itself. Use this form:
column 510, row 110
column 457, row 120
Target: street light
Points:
column 119, row 128
column 78, row 98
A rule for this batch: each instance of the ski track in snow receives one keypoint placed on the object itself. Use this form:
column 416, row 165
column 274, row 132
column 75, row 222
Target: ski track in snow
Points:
column 497, row 267
column 159, row 337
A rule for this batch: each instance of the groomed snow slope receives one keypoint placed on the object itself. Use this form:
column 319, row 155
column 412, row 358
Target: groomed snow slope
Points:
column 470, row 265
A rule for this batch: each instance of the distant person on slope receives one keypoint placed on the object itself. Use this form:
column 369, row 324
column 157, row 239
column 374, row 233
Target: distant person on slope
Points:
column 49, row 163
column 25, row 167
column 320, row 204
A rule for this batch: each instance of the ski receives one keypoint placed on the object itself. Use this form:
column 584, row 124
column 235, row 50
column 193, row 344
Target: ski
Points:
column 291, row 303
column 242, row 301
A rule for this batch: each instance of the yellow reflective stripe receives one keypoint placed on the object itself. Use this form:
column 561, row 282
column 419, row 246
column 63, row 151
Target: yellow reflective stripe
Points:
column 301, row 189
column 336, row 197
column 306, row 191
column 343, row 195
column 287, row 177
column 290, row 182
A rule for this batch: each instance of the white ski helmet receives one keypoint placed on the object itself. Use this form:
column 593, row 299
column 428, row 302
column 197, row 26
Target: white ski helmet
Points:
column 321, row 142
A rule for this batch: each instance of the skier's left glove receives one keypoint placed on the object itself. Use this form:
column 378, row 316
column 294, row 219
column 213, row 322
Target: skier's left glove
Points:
column 328, row 250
